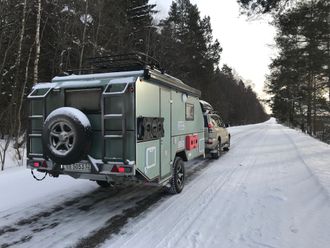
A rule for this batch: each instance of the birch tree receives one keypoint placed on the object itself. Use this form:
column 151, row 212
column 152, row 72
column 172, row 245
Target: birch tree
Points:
column 84, row 19
column 37, row 43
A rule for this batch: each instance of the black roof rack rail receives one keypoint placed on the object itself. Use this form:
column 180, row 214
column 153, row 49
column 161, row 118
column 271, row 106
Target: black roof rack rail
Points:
column 124, row 62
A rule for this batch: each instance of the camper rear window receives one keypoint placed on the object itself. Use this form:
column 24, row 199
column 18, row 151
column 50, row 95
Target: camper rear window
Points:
column 189, row 112
column 86, row 100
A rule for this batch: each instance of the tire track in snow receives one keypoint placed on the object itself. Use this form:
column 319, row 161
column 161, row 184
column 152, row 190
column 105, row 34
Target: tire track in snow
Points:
column 203, row 194
column 233, row 183
column 22, row 231
column 263, row 204
column 115, row 224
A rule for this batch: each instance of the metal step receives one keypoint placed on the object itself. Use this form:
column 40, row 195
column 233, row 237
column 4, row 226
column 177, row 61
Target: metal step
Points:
column 36, row 117
column 35, row 135
column 114, row 158
column 36, row 155
column 113, row 136
column 111, row 116
column 107, row 95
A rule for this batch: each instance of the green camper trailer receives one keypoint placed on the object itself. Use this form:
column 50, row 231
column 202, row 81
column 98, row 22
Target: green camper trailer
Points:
column 127, row 121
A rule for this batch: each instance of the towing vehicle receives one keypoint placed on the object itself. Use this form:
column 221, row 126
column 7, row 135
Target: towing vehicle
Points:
column 217, row 137
column 120, row 120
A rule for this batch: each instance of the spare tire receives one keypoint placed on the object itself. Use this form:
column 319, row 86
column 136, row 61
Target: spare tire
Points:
column 66, row 135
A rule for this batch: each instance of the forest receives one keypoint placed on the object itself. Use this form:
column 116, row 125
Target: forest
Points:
column 299, row 82
column 40, row 39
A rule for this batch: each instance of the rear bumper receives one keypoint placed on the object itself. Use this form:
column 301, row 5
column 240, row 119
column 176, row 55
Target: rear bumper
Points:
column 96, row 169
column 210, row 143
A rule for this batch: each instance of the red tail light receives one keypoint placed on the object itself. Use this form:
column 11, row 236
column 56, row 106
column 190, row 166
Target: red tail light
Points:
column 114, row 169
column 36, row 164
column 44, row 164
column 210, row 125
column 39, row 164
column 118, row 169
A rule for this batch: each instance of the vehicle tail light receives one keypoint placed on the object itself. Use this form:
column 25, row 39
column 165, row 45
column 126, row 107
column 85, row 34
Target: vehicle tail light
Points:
column 44, row 164
column 210, row 125
column 39, row 164
column 118, row 169
column 36, row 164
column 114, row 169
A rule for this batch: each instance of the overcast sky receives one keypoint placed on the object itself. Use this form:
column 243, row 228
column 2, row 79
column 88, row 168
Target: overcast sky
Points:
column 246, row 44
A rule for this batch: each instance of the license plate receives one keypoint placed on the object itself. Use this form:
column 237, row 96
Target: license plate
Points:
column 78, row 167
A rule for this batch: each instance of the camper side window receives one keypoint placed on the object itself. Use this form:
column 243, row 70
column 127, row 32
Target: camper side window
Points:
column 189, row 112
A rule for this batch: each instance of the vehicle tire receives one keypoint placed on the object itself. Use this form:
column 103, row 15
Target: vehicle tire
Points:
column 226, row 149
column 66, row 135
column 104, row 184
column 177, row 180
column 217, row 153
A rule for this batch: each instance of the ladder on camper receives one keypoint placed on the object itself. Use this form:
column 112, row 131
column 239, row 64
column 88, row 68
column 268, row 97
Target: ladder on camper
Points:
column 36, row 95
column 106, row 116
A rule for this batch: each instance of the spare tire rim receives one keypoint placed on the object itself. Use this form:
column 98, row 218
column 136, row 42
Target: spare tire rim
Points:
column 61, row 138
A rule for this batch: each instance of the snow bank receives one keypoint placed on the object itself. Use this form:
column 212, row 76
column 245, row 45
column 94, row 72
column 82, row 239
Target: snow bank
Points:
column 18, row 189
column 12, row 159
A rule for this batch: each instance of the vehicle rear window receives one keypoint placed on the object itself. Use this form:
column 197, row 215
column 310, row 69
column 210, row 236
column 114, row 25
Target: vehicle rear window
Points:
column 214, row 122
column 86, row 100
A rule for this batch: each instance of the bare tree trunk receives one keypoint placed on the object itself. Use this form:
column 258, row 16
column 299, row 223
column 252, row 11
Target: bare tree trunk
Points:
column 8, row 48
column 19, row 51
column 12, row 106
column 83, row 37
column 7, row 139
column 328, row 50
column 4, row 150
column 314, row 108
column 96, row 39
column 37, row 42
column 309, row 107
column 20, row 102
column 19, row 54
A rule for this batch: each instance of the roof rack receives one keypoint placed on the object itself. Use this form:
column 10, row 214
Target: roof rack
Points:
column 124, row 62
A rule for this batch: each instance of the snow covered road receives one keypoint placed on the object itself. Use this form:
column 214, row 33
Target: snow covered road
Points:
column 272, row 189
column 266, row 192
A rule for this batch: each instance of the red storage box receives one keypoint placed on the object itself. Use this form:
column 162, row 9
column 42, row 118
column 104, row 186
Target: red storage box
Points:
column 191, row 142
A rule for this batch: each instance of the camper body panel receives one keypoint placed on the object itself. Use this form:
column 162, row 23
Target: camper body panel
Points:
column 157, row 100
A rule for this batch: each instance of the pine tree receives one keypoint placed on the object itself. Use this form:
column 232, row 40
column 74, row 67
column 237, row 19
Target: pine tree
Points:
column 299, row 75
column 187, row 39
column 255, row 7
